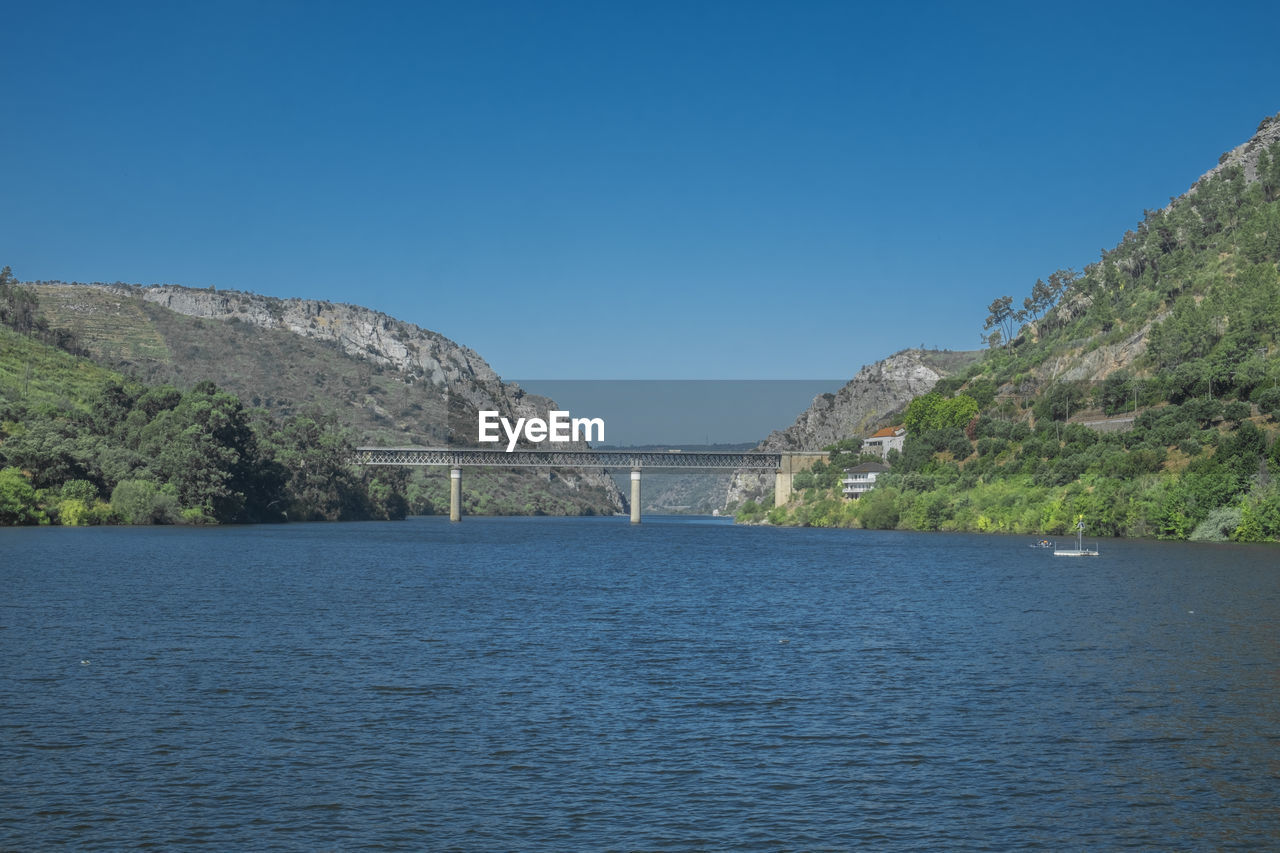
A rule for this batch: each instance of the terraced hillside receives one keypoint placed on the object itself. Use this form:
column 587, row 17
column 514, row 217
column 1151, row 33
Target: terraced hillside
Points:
column 115, row 328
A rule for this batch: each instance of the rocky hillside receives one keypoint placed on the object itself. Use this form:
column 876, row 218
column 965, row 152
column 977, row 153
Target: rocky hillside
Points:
column 875, row 392
column 1204, row 240
column 392, row 382
column 420, row 355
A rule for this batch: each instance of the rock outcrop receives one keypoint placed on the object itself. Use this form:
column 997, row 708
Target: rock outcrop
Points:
column 1097, row 364
column 1244, row 155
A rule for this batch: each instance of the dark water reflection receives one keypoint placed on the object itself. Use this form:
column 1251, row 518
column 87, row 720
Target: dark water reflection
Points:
column 541, row 684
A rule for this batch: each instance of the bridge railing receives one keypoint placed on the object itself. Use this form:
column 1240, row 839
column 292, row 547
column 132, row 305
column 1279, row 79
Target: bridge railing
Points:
column 457, row 457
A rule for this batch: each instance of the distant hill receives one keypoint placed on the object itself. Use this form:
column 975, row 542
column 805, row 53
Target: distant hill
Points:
column 394, row 383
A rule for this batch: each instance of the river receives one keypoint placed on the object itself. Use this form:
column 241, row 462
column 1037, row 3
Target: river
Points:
column 582, row 684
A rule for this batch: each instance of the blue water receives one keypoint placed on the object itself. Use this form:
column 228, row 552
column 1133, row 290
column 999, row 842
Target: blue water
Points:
column 545, row 684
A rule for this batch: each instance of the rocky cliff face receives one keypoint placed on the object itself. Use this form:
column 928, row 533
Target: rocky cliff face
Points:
column 876, row 391
column 361, row 332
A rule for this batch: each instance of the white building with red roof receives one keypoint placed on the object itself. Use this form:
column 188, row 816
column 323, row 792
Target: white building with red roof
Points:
column 889, row 438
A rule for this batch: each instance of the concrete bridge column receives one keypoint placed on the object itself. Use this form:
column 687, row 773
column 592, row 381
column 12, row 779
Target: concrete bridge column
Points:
column 782, row 482
column 789, row 465
column 455, row 493
column 635, row 495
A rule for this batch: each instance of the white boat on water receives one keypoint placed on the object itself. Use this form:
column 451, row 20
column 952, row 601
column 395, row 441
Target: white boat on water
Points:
column 1079, row 550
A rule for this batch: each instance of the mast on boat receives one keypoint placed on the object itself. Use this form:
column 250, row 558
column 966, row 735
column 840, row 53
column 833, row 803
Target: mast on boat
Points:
column 1079, row 550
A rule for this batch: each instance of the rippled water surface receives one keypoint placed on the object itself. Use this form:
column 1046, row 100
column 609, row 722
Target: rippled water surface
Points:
column 544, row 684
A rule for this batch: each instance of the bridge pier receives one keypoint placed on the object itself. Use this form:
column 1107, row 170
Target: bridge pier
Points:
column 790, row 464
column 635, row 495
column 782, row 485
column 455, row 493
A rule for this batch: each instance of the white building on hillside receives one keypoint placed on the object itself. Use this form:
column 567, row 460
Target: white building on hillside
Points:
column 861, row 478
column 889, row 438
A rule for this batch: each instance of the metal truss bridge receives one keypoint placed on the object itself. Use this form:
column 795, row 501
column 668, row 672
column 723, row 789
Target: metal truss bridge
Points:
column 454, row 456
column 784, row 465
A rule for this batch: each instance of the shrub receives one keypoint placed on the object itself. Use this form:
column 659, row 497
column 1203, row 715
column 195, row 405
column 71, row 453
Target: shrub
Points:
column 916, row 453
column 1061, row 471
column 878, row 509
column 18, row 503
column 983, row 392
column 991, row 446
column 1143, row 460
column 73, row 512
column 750, row 512
column 1259, row 518
column 929, row 511
column 81, row 490
column 1268, row 400
column 993, row 428
column 195, row 515
column 1236, row 411
column 1219, row 526
column 960, row 447
column 913, row 481
column 1204, row 411
column 142, row 502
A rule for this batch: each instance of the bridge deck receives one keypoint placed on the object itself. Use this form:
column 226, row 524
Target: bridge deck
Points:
column 460, row 456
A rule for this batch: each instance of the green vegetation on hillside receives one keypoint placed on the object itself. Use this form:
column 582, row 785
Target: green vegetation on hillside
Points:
column 1195, row 289
column 80, row 444
column 1183, row 472
column 1199, row 278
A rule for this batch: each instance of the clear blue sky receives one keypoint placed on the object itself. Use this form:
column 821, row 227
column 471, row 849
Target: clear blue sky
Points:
column 617, row 189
